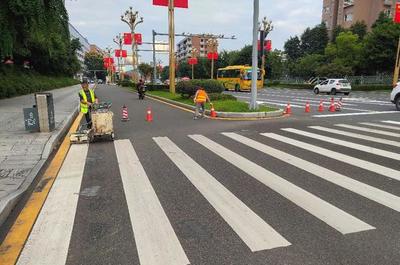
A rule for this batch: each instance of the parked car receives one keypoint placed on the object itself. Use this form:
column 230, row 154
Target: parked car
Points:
column 333, row 86
column 99, row 81
column 395, row 96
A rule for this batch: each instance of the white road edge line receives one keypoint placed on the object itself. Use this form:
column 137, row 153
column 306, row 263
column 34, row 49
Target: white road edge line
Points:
column 392, row 122
column 324, row 211
column 156, row 241
column 363, row 164
column 50, row 237
column 360, row 147
column 354, row 114
column 363, row 129
column 380, row 126
column 254, row 231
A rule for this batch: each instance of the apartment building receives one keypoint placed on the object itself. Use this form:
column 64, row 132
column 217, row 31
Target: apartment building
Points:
column 185, row 46
column 346, row 12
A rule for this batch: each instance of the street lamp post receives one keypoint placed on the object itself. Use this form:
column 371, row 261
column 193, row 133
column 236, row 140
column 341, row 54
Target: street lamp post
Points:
column 171, row 33
column 131, row 18
column 253, row 100
column 212, row 44
column 118, row 41
column 195, row 53
column 109, row 70
column 265, row 28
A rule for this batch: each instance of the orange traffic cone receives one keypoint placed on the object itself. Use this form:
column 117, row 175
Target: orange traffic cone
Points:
column 339, row 104
column 321, row 106
column 288, row 109
column 213, row 114
column 125, row 116
column 308, row 108
column 149, row 115
column 332, row 106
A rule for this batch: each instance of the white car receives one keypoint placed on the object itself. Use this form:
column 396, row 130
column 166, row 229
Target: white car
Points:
column 333, row 86
column 395, row 96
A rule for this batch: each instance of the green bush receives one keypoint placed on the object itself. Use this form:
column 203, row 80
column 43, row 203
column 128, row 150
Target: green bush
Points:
column 16, row 82
column 154, row 87
column 126, row 83
column 221, row 97
column 371, row 87
column 189, row 88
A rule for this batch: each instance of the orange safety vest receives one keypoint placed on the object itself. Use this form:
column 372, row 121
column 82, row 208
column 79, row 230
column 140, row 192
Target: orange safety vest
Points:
column 201, row 96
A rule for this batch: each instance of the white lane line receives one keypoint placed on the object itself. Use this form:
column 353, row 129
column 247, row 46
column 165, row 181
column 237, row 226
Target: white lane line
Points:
column 360, row 147
column 326, row 212
column 392, row 122
column 156, row 241
column 343, row 181
column 279, row 104
column 357, row 136
column 363, row 164
column 50, row 237
column 354, row 114
column 254, row 231
column 363, row 129
column 381, row 126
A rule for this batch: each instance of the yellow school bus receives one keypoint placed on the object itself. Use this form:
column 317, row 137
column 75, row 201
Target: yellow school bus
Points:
column 238, row 77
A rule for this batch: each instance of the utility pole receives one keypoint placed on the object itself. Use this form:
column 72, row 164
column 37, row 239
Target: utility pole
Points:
column 171, row 32
column 110, row 66
column 265, row 28
column 118, row 40
column 131, row 18
column 253, row 100
column 213, row 44
column 154, row 58
column 194, row 54
column 397, row 66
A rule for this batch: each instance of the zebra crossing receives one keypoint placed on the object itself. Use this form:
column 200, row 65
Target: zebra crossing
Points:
column 157, row 241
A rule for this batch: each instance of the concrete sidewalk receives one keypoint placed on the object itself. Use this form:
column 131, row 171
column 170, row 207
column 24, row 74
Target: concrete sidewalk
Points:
column 22, row 154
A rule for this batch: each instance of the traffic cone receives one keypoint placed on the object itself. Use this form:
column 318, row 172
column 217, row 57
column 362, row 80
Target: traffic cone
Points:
column 321, row 106
column 125, row 116
column 288, row 109
column 308, row 108
column 213, row 114
column 149, row 115
column 332, row 106
column 339, row 105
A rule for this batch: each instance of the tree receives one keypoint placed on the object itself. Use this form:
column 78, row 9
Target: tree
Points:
column 346, row 51
column 146, row 70
column 314, row 40
column 242, row 57
column 94, row 62
column 359, row 28
column 336, row 31
column 292, row 48
column 274, row 65
column 334, row 70
column 306, row 67
column 165, row 73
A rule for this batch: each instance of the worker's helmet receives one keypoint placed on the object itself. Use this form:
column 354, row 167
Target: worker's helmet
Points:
column 84, row 80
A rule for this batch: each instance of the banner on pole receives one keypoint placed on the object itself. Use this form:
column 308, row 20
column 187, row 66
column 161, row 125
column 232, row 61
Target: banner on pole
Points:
column 192, row 61
column 127, row 38
column 267, row 46
column 177, row 3
column 124, row 53
column 212, row 55
column 108, row 60
column 117, row 53
column 138, row 38
column 397, row 13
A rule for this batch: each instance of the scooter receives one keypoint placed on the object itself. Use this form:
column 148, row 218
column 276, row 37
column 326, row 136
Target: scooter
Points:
column 142, row 93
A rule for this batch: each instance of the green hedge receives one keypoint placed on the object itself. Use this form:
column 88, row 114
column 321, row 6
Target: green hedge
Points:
column 189, row 88
column 154, row 87
column 16, row 82
column 221, row 97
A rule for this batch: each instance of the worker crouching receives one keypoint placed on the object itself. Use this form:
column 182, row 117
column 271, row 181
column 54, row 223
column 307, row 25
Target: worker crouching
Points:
column 200, row 100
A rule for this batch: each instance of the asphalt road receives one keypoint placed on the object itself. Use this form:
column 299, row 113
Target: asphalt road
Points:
column 178, row 191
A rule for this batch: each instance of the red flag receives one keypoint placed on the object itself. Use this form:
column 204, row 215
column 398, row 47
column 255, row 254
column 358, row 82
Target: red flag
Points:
column 138, row 38
column 268, row 45
column 124, row 54
column 127, row 38
column 397, row 13
column 212, row 55
column 177, row 3
column 117, row 53
column 192, row 61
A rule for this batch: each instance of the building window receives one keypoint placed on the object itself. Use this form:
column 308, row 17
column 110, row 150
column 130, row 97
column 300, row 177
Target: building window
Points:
column 348, row 17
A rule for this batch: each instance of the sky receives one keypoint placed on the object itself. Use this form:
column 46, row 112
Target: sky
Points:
column 99, row 20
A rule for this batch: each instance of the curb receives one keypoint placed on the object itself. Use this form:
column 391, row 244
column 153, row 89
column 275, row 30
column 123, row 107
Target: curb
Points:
column 226, row 115
column 8, row 203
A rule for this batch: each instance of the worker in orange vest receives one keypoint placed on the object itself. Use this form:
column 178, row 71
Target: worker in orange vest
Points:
column 200, row 99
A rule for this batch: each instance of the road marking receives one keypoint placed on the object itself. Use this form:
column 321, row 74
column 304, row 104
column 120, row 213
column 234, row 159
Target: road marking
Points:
column 354, row 114
column 156, row 241
column 356, row 135
column 392, row 122
column 49, row 240
column 14, row 242
column 343, row 181
column 254, row 231
column 381, row 126
column 360, row 147
column 381, row 170
column 326, row 212
column 363, row 129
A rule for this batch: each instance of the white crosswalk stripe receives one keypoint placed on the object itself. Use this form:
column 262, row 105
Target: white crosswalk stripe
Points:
column 381, row 126
column 256, row 233
column 155, row 238
column 348, row 144
column 326, row 212
column 49, row 240
column 363, row 129
column 392, row 122
column 356, row 135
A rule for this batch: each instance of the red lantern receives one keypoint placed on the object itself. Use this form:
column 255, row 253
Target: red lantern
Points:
column 192, row 61
column 117, row 53
column 397, row 13
column 138, row 38
column 177, row 3
column 127, row 38
column 212, row 56
column 124, row 54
